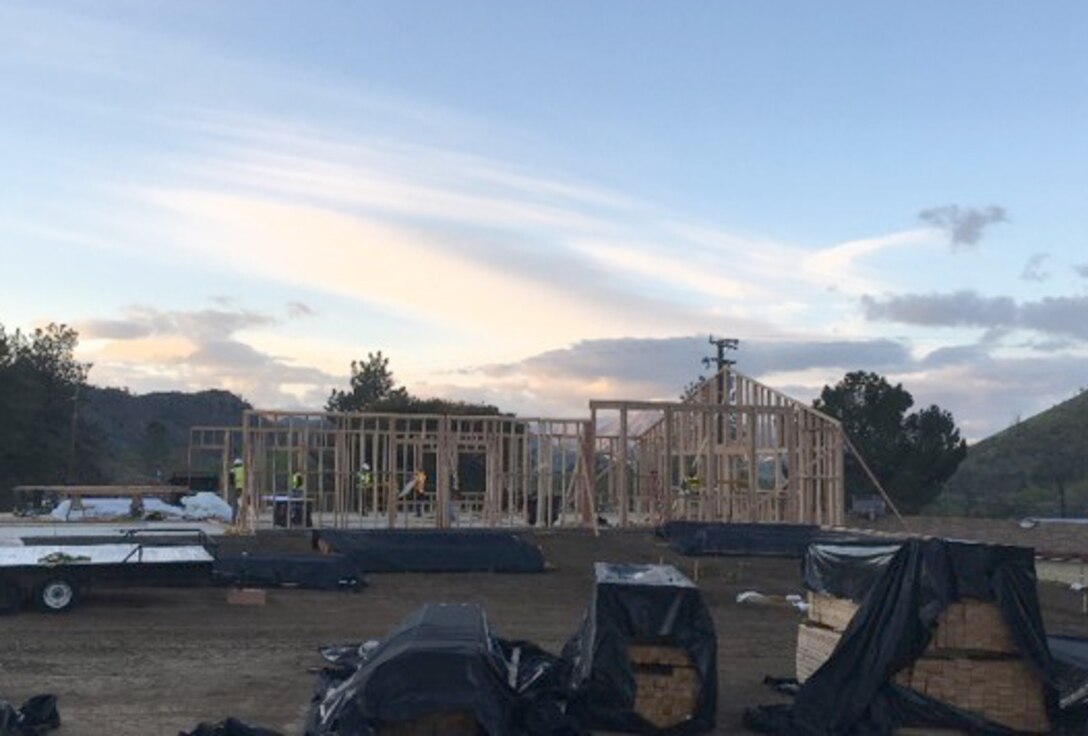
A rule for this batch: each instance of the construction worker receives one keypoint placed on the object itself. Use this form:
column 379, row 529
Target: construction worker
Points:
column 297, row 504
column 364, row 483
column 419, row 482
column 236, row 486
column 691, row 484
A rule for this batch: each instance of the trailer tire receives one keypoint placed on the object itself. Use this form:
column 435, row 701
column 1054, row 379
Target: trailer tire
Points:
column 11, row 598
column 57, row 595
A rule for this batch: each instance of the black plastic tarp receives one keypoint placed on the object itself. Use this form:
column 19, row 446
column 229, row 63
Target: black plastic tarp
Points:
column 442, row 659
column 638, row 604
column 1071, row 663
column 37, row 715
column 846, row 570
column 410, row 550
column 229, row 727
column 717, row 539
column 852, row 693
column 320, row 572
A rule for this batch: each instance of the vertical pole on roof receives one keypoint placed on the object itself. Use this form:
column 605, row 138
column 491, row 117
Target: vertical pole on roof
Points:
column 665, row 477
column 624, row 479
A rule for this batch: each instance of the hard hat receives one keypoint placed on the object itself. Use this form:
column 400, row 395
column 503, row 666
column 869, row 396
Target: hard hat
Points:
column 366, row 466
column 237, row 461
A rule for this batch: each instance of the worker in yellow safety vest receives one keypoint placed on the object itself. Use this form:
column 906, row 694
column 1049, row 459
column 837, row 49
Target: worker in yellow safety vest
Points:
column 297, row 484
column 364, row 483
column 236, row 485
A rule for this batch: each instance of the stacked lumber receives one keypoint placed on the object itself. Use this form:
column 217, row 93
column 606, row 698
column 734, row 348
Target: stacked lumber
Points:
column 972, row 661
column 974, row 626
column 433, row 724
column 1005, row 690
column 667, row 686
column 831, row 612
column 815, row 644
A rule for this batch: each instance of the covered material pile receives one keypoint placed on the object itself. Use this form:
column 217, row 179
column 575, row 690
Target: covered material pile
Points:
column 37, row 715
column 719, row 539
column 424, row 550
column 317, row 572
column 926, row 634
column 442, row 671
column 229, row 727
column 645, row 660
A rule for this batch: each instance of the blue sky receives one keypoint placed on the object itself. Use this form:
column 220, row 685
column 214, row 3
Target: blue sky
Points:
column 536, row 203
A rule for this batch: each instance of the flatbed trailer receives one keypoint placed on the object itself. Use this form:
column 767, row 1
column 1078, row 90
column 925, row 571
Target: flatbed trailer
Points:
column 53, row 575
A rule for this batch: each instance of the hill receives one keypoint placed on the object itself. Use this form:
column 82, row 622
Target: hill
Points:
column 1036, row 467
column 144, row 436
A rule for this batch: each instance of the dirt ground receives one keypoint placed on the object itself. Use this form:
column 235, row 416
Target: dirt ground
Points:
column 148, row 662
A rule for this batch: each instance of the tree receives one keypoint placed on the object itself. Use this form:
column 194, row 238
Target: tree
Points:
column 373, row 388
column 371, row 382
column 42, row 386
column 911, row 455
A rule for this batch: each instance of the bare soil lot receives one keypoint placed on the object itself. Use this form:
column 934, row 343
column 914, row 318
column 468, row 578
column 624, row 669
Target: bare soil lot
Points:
column 148, row 662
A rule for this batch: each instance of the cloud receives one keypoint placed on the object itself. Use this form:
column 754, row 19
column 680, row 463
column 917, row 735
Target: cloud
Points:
column 961, row 308
column 964, row 225
column 1033, row 269
column 1081, row 270
column 1062, row 316
column 150, row 349
column 113, row 329
column 296, row 310
column 562, row 381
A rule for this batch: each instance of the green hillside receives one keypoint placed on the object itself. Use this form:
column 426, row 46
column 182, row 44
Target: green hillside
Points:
column 1026, row 469
column 144, row 436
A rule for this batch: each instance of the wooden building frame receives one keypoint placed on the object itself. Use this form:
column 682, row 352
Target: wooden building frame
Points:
column 733, row 450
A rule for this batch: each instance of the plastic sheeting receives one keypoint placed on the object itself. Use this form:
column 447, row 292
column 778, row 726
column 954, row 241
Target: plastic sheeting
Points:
column 37, row 715
column 846, row 570
column 406, row 550
column 442, row 659
column 715, row 539
column 638, row 604
column 852, row 692
column 198, row 507
column 229, row 727
column 1071, row 663
column 319, row 572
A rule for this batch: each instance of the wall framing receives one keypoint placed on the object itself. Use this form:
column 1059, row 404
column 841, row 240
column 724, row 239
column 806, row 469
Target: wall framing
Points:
column 756, row 456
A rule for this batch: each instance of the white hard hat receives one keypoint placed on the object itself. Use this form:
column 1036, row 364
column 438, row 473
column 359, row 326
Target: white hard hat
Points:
column 366, row 466
column 237, row 461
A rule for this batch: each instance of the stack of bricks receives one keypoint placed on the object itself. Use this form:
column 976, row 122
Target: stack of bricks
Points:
column 667, row 684
column 972, row 661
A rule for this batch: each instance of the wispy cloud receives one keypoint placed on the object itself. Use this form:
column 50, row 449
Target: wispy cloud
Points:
column 964, row 225
column 297, row 310
column 1033, row 269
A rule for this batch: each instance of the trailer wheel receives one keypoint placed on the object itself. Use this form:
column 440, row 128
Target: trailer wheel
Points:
column 57, row 595
column 11, row 598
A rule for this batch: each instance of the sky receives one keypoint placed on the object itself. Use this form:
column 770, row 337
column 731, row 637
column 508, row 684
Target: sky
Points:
column 535, row 204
